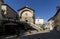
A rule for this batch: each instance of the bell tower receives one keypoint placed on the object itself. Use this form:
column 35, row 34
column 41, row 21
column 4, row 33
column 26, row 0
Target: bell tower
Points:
column 27, row 14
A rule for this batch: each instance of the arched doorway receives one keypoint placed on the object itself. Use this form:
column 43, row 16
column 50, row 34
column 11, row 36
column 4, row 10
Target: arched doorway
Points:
column 26, row 20
column 10, row 28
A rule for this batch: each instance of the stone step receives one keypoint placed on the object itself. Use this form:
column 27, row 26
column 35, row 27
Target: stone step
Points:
column 35, row 26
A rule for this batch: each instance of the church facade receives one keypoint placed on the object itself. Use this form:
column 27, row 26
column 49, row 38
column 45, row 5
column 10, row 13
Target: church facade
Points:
column 26, row 14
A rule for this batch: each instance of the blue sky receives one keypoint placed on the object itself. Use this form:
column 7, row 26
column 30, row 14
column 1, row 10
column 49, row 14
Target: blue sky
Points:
column 43, row 8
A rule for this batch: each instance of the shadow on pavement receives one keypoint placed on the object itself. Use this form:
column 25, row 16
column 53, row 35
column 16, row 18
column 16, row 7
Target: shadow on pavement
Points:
column 50, row 35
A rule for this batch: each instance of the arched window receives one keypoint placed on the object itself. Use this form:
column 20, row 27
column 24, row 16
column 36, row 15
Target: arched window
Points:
column 26, row 14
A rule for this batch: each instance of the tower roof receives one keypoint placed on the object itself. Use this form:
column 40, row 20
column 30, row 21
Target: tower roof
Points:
column 25, row 7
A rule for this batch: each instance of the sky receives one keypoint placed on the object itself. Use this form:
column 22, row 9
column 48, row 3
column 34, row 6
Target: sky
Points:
column 43, row 8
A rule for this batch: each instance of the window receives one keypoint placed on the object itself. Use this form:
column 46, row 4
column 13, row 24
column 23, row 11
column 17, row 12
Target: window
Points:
column 26, row 20
column 38, row 19
column 26, row 14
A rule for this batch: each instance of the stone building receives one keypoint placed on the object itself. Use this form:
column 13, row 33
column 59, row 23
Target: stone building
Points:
column 1, row 2
column 26, row 14
column 56, row 20
column 50, row 24
column 8, row 12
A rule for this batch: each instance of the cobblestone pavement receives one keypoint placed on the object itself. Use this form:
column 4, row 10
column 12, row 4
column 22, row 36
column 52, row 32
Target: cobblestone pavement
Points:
column 47, row 35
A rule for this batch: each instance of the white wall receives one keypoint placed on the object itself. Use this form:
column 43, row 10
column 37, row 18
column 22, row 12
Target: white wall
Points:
column 39, row 21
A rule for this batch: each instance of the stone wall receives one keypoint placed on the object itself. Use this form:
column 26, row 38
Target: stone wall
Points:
column 9, row 12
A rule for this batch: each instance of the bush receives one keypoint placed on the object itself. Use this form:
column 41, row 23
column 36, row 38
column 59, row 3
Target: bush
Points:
column 29, row 31
column 43, row 27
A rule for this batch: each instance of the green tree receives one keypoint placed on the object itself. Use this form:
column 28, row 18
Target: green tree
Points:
column 43, row 26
